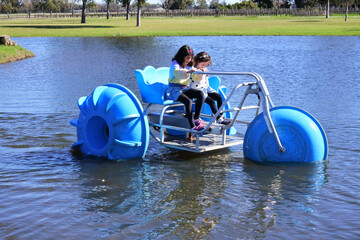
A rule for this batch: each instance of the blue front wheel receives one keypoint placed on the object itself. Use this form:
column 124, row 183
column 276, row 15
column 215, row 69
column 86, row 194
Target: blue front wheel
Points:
column 300, row 133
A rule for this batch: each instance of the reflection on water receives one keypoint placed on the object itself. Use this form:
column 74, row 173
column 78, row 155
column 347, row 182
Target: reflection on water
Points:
column 48, row 190
column 287, row 184
column 168, row 198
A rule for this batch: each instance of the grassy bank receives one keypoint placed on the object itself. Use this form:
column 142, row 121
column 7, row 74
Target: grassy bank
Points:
column 13, row 53
column 190, row 26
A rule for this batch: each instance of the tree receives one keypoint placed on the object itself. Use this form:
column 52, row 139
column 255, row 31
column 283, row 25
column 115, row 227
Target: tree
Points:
column 83, row 10
column 72, row 6
column 107, row 8
column 347, row 3
column 201, row 4
column 177, row 4
column 328, row 9
column 306, row 3
column 126, row 3
column 347, row 11
column 65, row 5
column 263, row 3
column 276, row 4
column 9, row 6
column 27, row 7
column 327, row 6
column 91, row 5
column 139, row 3
column 280, row 4
column 83, row 20
column 245, row 5
column 37, row 5
column 167, row 4
column 214, row 4
column 51, row 6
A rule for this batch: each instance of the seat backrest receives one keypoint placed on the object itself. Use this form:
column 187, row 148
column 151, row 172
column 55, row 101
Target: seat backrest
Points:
column 214, row 82
column 152, row 84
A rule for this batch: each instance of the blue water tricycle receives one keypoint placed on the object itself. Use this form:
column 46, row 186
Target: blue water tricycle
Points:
column 113, row 123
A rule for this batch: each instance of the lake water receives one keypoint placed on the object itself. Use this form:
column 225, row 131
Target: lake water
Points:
column 49, row 192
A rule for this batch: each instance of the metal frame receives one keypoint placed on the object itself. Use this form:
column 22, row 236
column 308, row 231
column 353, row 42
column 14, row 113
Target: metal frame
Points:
column 203, row 142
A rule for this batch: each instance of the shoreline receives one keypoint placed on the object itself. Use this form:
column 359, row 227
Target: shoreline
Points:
column 14, row 53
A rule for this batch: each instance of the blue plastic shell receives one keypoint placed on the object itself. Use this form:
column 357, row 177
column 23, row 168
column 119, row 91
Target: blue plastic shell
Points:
column 112, row 124
column 152, row 84
column 300, row 133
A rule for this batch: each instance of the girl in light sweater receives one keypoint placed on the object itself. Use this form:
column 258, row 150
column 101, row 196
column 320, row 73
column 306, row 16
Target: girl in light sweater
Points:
column 179, row 90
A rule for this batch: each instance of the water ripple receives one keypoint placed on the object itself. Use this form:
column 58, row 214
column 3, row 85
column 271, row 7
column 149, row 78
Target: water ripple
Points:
column 49, row 191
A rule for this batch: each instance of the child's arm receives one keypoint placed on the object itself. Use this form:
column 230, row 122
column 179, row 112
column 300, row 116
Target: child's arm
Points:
column 180, row 75
column 198, row 77
column 181, row 72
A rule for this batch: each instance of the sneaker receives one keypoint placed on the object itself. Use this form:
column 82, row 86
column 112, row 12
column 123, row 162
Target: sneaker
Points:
column 198, row 128
column 223, row 121
column 199, row 122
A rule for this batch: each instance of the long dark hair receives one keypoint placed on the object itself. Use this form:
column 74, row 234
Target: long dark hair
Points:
column 202, row 57
column 182, row 53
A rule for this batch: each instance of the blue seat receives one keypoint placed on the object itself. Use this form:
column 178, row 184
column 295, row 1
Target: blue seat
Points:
column 152, row 84
column 214, row 82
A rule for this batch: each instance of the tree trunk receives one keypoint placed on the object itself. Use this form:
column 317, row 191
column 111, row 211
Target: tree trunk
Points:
column 107, row 9
column 328, row 9
column 347, row 11
column 83, row 12
column 138, row 14
column 128, row 11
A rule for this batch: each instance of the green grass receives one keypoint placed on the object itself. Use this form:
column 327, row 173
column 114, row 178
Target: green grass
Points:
column 13, row 53
column 187, row 26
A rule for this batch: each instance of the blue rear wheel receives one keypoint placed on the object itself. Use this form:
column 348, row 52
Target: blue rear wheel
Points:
column 112, row 124
column 300, row 133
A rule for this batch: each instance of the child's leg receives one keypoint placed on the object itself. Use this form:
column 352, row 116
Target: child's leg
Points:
column 217, row 97
column 219, row 101
column 199, row 96
column 188, row 108
column 212, row 104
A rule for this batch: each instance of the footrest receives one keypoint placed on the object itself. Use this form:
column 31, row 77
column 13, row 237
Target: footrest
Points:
column 216, row 128
column 178, row 120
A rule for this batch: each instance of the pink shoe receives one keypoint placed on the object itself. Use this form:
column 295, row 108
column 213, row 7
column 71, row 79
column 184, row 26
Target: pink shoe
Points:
column 198, row 128
column 199, row 122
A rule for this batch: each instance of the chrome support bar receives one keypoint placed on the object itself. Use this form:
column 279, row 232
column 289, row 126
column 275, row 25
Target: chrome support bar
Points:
column 264, row 95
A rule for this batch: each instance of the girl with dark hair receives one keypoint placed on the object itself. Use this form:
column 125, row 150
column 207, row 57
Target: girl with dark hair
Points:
column 201, row 82
column 179, row 90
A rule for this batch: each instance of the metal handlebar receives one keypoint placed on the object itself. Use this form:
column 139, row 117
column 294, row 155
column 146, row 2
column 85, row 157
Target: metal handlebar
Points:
column 264, row 94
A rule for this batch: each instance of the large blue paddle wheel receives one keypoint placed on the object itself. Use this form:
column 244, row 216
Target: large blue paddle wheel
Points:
column 112, row 124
